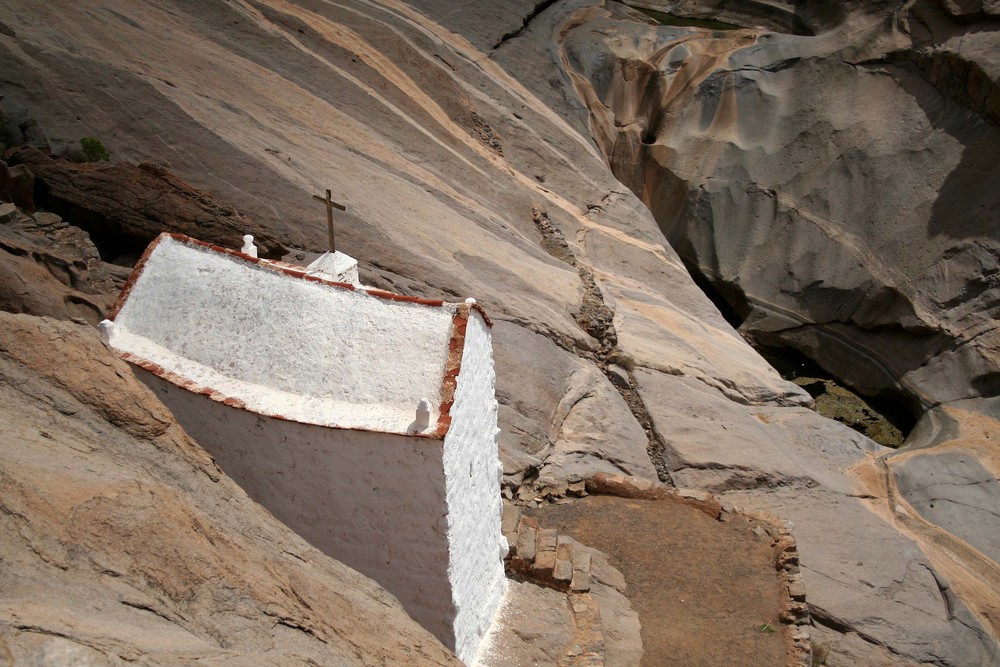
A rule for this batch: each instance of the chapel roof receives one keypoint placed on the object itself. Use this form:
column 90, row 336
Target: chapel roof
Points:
column 269, row 337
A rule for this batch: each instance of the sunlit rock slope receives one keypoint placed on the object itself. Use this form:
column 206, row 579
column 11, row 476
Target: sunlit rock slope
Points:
column 832, row 175
column 470, row 144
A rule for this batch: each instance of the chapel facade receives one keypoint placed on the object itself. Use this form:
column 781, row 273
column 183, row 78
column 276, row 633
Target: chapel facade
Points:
column 366, row 421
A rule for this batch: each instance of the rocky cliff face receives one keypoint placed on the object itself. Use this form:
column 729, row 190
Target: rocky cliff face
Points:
column 831, row 176
column 471, row 146
column 838, row 189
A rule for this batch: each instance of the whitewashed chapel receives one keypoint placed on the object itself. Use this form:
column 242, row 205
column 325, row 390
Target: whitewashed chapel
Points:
column 364, row 420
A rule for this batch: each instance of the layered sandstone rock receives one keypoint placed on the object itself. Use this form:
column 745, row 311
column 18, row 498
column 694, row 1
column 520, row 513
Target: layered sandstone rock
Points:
column 455, row 137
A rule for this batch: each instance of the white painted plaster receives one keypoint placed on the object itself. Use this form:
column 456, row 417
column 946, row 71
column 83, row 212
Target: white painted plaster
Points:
column 337, row 267
column 472, row 476
column 420, row 516
column 285, row 346
column 423, row 417
column 374, row 501
column 248, row 247
column 107, row 330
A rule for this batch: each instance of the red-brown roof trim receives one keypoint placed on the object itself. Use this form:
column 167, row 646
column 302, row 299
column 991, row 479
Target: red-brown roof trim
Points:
column 452, row 368
column 291, row 270
column 453, row 362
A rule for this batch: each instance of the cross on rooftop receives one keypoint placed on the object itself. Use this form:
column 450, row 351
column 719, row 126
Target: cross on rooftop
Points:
column 330, row 205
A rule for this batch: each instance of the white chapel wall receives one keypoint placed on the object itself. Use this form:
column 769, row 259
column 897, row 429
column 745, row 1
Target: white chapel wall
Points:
column 267, row 332
column 472, row 475
column 373, row 501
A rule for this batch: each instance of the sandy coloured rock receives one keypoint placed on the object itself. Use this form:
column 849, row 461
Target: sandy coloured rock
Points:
column 781, row 144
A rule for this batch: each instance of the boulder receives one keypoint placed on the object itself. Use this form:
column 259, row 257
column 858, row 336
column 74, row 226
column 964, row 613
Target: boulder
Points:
column 17, row 185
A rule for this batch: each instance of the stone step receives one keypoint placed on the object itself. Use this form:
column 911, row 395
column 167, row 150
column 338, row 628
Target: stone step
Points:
column 542, row 555
column 587, row 647
column 509, row 523
column 549, row 559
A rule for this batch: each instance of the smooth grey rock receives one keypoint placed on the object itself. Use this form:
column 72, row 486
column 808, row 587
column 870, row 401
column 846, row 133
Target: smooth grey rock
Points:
column 534, row 626
column 867, row 240
column 837, row 649
column 718, row 445
column 859, row 571
column 561, row 414
column 861, row 574
column 953, row 490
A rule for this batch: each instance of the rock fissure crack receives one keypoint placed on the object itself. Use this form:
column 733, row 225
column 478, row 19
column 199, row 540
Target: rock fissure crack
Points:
column 525, row 22
column 294, row 625
column 745, row 478
column 596, row 319
column 822, row 617
column 936, row 499
column 37, row 629
column 142, row 606
column 942, row 591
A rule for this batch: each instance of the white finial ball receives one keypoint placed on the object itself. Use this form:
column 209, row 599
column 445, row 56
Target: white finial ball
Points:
column 248, row 247
column 470, row 301
column 423, row 415
column 107, row 330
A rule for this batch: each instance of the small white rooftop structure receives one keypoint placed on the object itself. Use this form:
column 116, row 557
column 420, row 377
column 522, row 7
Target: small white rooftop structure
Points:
column 337, row 267
column 364, row 420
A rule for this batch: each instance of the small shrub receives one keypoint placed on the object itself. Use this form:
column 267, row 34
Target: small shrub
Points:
column 766, row 628
column 93, row 149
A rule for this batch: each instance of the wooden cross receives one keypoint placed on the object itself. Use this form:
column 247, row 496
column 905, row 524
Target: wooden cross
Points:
column 330, row 205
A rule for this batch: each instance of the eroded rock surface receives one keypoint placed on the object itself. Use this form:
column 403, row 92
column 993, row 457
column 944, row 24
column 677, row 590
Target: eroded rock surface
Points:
column 589, row 426
column 450, row 134
column 123, row 541
column 836, row 189
column 50, row 267
column 126, row 207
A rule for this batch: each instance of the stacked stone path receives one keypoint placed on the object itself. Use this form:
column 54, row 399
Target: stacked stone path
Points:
column 546, row 558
